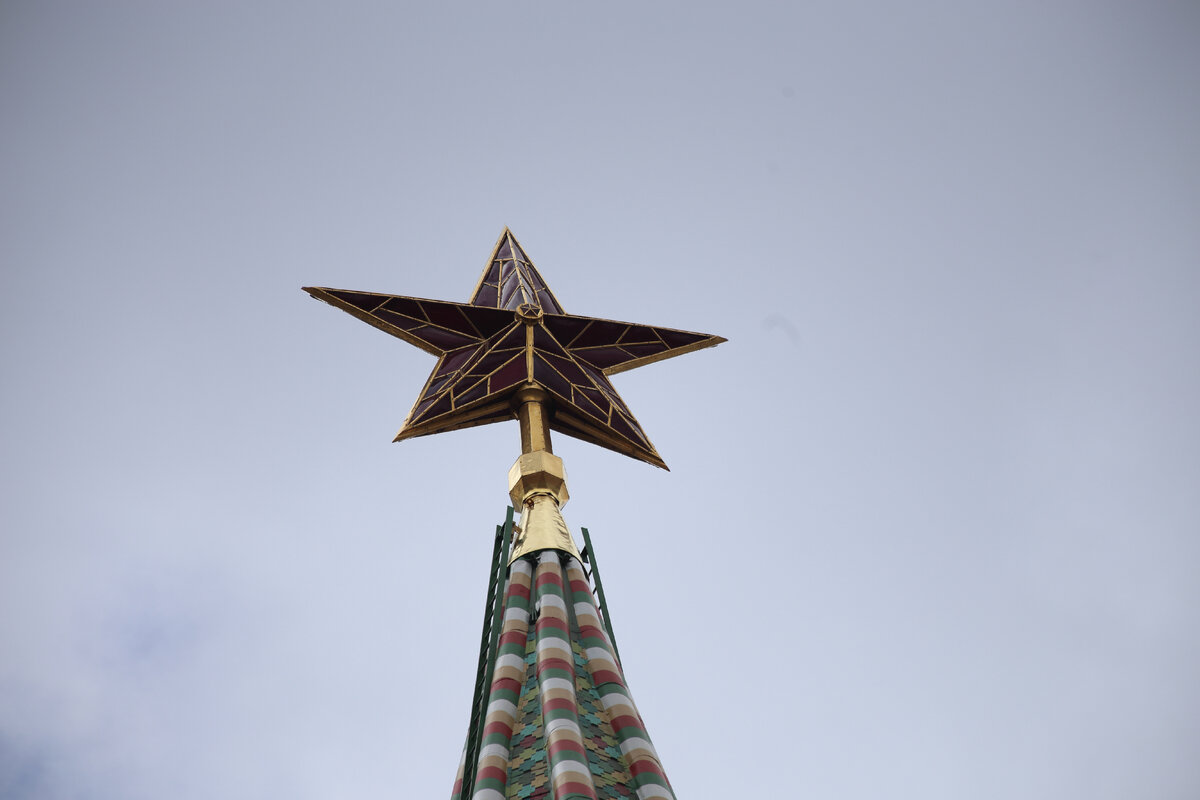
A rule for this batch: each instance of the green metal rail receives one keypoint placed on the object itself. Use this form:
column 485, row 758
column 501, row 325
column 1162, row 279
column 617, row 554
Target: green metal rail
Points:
column 589, row 555
column 492, row 623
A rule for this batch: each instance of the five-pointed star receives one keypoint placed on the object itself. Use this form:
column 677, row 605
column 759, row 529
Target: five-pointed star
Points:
column 512, row 334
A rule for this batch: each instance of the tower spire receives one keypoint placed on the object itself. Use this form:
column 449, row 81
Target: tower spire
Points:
column 558, row 721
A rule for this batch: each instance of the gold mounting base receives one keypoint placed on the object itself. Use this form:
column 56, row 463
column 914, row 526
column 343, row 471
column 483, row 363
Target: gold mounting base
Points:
column 537, row 486
column 542, row 527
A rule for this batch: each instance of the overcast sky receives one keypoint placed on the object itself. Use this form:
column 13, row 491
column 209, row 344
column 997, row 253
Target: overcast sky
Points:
column 931, row 529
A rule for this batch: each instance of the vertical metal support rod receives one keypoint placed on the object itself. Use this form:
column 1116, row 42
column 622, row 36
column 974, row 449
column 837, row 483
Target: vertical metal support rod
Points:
column 591, row 551
column 532, row 414
column 492, row 622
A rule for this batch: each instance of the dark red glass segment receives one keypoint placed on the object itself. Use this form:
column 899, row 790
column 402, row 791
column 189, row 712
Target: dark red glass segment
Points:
column 486, row 296
column 570, row 369
column 448, row 316
column 565, row 329
column 454, row 360
column 488, row 321
column 643, row 350
column 543, row 341
column 622, row 426
column 548, row 303
column 489, row 363
column 585, row 404
column 405, row 305
column 617, row 402
column 474, row 392
column 361, row 300
column 598, row 399
column 441, row 406
column 640, row 334
column 437, row 385
column 401, row 321
column 600, row 332
column 549, row 377
column 510, row 374
column 597, row 378
column 603, row 357
column 512, row 338
column 440, row 337
column 425, row 403
column 680, row 338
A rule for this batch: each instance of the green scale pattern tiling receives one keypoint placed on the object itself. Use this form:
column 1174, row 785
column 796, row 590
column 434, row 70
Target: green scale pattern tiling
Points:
column 527, row 776
column 604, row 754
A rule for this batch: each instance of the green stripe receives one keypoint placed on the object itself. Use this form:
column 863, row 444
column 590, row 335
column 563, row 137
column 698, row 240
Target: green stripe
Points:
column 613, row 688
column 490, row 783
column 504, row 694
column 650, row 779
column 591, row 642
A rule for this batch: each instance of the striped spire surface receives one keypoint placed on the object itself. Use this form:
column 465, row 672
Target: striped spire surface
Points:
column 560, row 723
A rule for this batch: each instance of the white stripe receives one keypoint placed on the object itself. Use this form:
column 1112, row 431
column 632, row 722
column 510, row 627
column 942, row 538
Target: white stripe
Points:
column 510, row 661
column 555, row 725
column 493, row 750
column 552, row 640
column 629, row 745
column 553, row 600
column 487, row 794
column 521, row 614
column 505, row 706
column 586, row 610
column 600, row 654
column 557, row 683
column 523, row 567
column 571, row 765
column 651, row 790
column 615, row 698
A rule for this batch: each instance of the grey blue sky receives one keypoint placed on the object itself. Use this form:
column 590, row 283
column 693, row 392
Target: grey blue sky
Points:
column 931, row 526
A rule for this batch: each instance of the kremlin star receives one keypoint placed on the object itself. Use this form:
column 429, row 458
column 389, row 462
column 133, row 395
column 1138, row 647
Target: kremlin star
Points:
column 513, row 334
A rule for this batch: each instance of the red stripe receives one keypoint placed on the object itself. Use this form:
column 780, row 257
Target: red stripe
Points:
column 643, row 765
column 514, row 637
column 580, row 586
column 551, row 622
column 495, row 773
column 554, row 663
column 576, row 787
column 518, row 590
column 626, row 721
column 602, row 676
column 559, row 704
column 497, row 727
column 566, row 744
column 506, row 683
column 591, row 632
column 549, row 576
